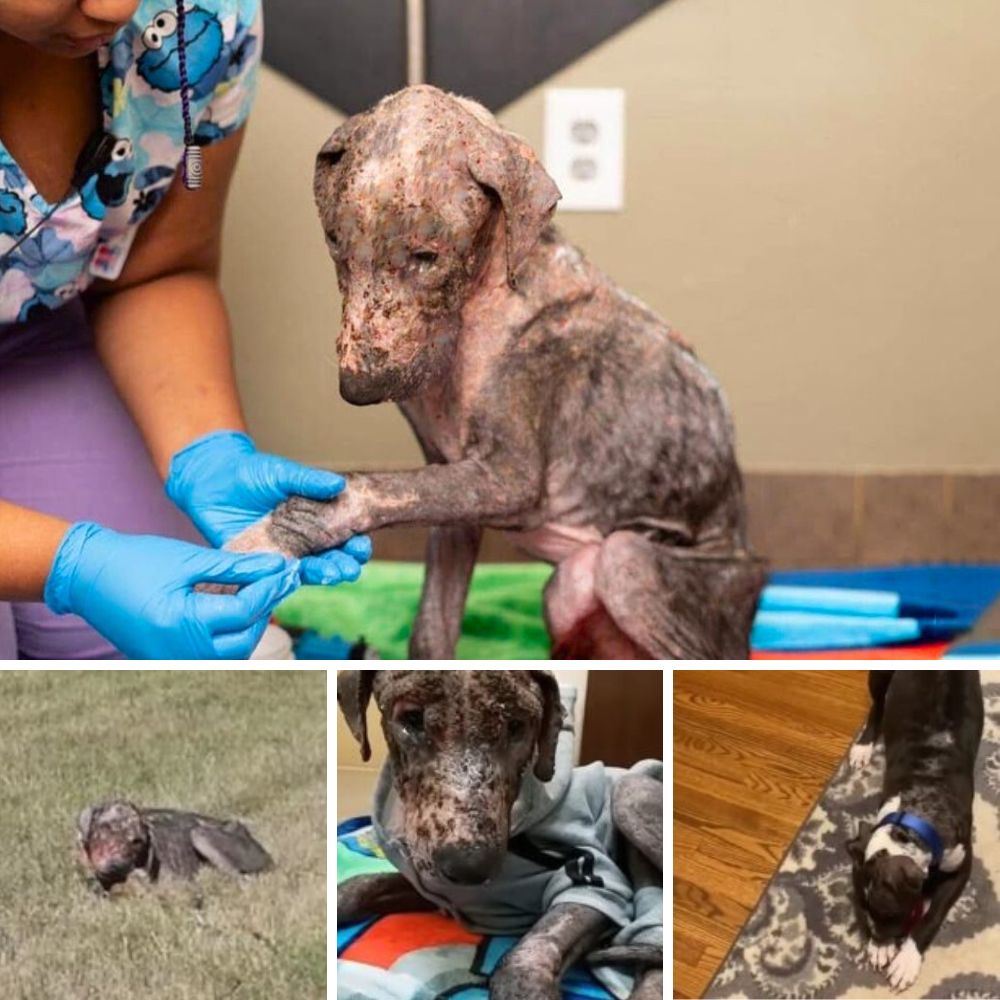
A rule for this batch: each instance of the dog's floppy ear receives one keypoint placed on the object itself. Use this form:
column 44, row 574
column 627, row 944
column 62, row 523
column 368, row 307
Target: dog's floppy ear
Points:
column 507, row 165
column 856, row 846
column 552, row 720
column 83, row 824
column 354, row 691
column 332, row 152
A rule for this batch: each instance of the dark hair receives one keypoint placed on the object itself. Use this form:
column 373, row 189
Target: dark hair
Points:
column 895, row 884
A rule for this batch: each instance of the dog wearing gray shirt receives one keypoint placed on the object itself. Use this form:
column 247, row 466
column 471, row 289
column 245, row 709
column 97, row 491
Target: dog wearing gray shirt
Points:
column 481, row 810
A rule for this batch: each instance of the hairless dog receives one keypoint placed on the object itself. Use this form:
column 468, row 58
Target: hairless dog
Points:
column 548, row 402
column 488, row 822
column 116, row 839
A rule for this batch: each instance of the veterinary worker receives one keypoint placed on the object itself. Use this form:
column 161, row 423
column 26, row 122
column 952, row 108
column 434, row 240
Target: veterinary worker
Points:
column 120, row 127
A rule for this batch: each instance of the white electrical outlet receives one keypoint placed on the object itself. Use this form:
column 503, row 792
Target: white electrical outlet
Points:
column 585, row 147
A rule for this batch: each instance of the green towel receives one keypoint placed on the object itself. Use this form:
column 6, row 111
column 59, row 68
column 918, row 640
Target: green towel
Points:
column 350, row 863
column 503, row 616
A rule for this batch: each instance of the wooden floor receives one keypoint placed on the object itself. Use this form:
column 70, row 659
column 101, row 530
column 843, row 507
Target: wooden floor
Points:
column 752, row 751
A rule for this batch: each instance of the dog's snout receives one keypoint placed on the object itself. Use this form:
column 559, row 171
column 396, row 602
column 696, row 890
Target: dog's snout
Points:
column 113, row 871
column 359, row 388
column 466, row 864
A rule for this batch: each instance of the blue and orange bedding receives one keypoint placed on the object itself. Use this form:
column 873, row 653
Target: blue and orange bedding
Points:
column 419, row 956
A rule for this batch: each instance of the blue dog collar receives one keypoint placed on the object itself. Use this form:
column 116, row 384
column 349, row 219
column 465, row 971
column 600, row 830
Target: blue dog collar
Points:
column 921, row 828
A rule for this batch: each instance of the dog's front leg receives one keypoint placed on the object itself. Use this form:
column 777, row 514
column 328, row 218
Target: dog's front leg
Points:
column 648, row 986
column 367, row 896
column 469, row 492
column 878, row 685
column 532, row 969
column 905, row 965
column 451, row 556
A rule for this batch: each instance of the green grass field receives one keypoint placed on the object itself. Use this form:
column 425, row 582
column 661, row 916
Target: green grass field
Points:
column 248, row 744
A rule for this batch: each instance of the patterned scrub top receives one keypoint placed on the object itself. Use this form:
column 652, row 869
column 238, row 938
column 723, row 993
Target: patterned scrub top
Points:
column 50, row 253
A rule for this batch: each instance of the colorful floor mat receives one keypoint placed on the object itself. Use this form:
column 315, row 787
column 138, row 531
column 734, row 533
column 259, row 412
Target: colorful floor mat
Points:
column 946, row 599
column 916, row 651
column 503, row 617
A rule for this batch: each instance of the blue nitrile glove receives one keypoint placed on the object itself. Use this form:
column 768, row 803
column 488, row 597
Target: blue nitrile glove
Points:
column 138, row 592
column 224, row 485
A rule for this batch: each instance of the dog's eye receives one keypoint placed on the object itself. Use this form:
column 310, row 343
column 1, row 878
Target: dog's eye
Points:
column 516, row 728
column 412, row 719
column 425, row 258
column 137, row 841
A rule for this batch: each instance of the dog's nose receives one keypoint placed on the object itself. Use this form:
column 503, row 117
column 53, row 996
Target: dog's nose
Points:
column 112, row 872
column 464, row 864
column 359, row 388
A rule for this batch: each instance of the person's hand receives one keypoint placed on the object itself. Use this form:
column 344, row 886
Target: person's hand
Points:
column 138, row 592
column 225, row 485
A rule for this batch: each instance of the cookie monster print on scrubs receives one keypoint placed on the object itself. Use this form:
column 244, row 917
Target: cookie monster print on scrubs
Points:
column 13, row 221
column 108, row 186
column 51, row 252
column 160, row 64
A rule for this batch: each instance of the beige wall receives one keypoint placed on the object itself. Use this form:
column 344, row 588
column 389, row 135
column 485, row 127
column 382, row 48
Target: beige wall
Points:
column 356, row 779
column 812, row 199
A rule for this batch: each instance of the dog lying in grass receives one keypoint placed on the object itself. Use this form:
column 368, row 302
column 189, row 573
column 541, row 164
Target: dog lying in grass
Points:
column 118, row 839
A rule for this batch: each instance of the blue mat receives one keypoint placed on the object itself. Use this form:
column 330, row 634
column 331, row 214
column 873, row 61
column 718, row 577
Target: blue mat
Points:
column 944, row 598
column 803, row 630
column 974, row 651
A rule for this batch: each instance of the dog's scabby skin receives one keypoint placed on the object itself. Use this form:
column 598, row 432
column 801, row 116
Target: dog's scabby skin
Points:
column 462, row 744
column 117, row 839
column 932, row 722
column 548, row 402
column 113, row 840
column 459, row 743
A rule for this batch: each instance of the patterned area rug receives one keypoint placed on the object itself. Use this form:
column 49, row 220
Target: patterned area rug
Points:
column 802, row 939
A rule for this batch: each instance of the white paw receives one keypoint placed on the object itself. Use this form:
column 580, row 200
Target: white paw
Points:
column 953, row 858
column 905, row 967
column 879, row 955
column 860, row 755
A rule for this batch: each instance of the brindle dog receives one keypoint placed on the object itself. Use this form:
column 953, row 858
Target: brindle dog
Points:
column 118, row 839
column 460, row 743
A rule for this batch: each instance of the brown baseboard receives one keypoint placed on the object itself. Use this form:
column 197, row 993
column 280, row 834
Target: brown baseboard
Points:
column 800, row 520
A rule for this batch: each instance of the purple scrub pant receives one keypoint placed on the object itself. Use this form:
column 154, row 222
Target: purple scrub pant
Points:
column 68, row 447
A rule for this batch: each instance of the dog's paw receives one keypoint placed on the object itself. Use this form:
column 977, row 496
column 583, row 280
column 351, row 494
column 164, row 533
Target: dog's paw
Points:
column 514, row 981
column 905, row 967
column 860, row 755
column 880, row 955
column 953, row 858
